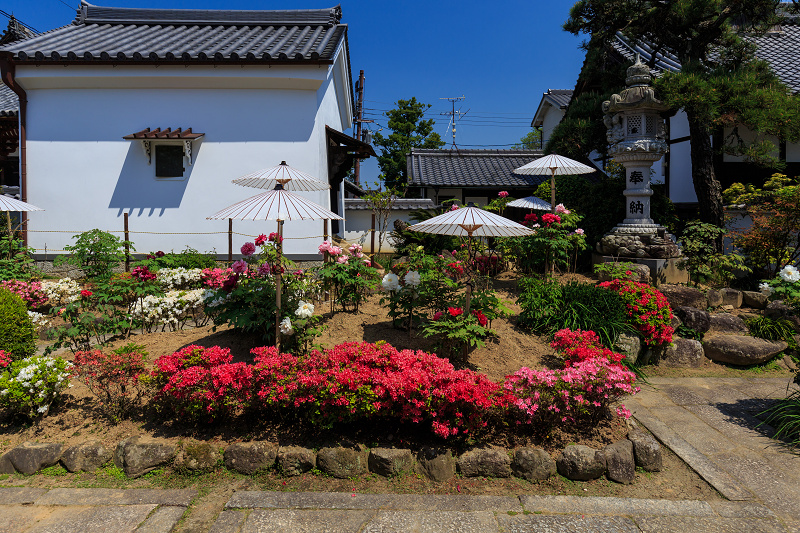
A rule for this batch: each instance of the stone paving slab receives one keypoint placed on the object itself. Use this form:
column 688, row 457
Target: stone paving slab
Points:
column 694, row 431
column 162, row 520
column 13, row 495
column 592, row 505
column 721, row 480
column 432, row 521
column 691, row 524
column 347, row 500
column 566, row 524
column 683, row 396
column 171, row 497
column 306, row 521
column 740, row 509
column 228, row 521
column 18, row 518
column 110, row 518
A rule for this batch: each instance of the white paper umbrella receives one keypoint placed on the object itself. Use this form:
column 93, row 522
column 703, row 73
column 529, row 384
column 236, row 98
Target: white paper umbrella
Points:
column 531, row 202
column 276, row 204
column 291, row 179
column 554, row 164
column 471, row 221
column 8, row 203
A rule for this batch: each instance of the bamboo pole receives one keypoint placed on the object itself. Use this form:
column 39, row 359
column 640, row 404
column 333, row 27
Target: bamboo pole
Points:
column 278, row 287
column 127, row 245
column 230, row 241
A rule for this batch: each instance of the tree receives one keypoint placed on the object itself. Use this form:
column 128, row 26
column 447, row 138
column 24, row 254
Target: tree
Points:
column 408, row 131
column 381, row 203
column 530, row 141
column 720, row 83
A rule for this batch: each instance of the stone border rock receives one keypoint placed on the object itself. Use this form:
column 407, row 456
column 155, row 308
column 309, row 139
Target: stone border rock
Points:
column 138, row 455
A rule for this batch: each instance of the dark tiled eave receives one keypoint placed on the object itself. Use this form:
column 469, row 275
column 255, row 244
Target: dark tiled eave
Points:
column 167, row 133
column 487, row 169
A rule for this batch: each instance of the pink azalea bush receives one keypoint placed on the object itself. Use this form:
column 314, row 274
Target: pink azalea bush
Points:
column 30, row 292
column 113, row 378
column 214, row 278
column 201, row 383
column 581, row 392
column 5, row 359
column 359, row 380
column 648, row 310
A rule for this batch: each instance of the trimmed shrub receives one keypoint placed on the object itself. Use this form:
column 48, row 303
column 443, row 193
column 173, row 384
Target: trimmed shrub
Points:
column 17, row 333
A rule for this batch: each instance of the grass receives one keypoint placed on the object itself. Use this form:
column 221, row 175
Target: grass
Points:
column 784, row 416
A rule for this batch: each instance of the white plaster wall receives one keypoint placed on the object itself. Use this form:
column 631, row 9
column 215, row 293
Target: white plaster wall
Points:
column 86, row 176
column 359, row 223
column 748, row 136
column 551, row 119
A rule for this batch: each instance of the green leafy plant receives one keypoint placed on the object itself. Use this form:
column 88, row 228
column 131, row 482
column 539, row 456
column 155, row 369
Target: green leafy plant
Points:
column 300, row 328
column 456, row 332
column 784, row 416
column 617, row 270
column 701, row 258
column 30, row 386
column 548, row 307
column 96, row 252
column 689, row 333
column 17, row 332
column 774, row 329
column 350, row 274
column 16, row 260
column 188, row 258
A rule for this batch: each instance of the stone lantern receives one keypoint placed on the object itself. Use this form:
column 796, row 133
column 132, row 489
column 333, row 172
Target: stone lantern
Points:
column 637, row 139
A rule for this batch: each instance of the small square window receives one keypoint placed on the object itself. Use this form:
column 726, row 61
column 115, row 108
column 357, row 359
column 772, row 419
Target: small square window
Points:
column 169, row 161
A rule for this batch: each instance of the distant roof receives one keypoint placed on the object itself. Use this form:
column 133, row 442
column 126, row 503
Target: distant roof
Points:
column 471, row 168
column 9, row 102
column 402, row 204
column 558, row 98
column 179, row 35
column 779, row 47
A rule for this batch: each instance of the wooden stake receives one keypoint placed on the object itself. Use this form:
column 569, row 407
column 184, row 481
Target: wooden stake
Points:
column 127, row 246
column 278, row 288
column 230, row 241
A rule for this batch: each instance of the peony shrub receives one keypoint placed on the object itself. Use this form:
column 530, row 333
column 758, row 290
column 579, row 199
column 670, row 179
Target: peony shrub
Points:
column 784, row 286
column 358, row 380
column 648, row 310
column 201, row 383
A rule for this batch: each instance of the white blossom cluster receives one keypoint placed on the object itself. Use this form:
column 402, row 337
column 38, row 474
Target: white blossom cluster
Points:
column 62, row 291
column 304, row 309
column 391, row 282
column 171, row 310
column 214, row 298
column 39, row 320
column 286, row 326
column 36, row 384
column 179, row 278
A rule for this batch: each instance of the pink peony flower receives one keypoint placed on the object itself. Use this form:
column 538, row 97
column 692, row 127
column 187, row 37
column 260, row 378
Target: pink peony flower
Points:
column 453, row 207
column 562, row 210
column 248, row 249
column 343, row 259
column 264, row 269
column 437, row 315
column 261, row 239
column 579, row 231
column 240, row 267
column 503, row 194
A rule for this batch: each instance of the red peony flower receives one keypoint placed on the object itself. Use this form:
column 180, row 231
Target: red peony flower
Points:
column 261, row 239
column 454, row 311
column 85, row 293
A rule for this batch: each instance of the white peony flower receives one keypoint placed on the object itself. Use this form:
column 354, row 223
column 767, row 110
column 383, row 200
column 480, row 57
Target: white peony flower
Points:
column 286, row 326
column 412, row 279
column 305, row 309
column 789, row 274
column 765, row 288
column 390, row 282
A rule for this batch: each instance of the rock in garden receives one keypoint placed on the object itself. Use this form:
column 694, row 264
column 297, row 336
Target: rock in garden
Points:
column 437, row 464
column 652, row 355
column 620, row 465
column 732, row 297
column 741, row 350
column 85, row 457
column 684, row 353
column 533, row 464
column 5, row 465
column 197, row 456
column 630, row 346
column 390, row 461
column 342, row 462
column 646, row 451
column 250, row 457
column 727, row 323
column 777, row 309
column 680, row 295
column 295, row 460
column 694, row 318
column 28, row 458
column 139, row 455
column 581, row 463
column 675, row 322
column 714, row 298
column 754, row 299
column 485, row 462
column 789, row 362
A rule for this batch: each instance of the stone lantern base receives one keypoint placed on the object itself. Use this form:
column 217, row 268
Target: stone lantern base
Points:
column 643, row 241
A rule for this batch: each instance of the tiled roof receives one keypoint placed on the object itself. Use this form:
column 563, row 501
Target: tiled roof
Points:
column 779, row 48
column 558, row 98
column 166, row 133
column 471, row 168
column 180, row 35
column 401, row 204
column 9, row 102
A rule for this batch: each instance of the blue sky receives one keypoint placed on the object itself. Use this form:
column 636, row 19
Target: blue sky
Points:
column 500, row 55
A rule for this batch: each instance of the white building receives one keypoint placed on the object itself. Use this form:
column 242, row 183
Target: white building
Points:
column 152, row 112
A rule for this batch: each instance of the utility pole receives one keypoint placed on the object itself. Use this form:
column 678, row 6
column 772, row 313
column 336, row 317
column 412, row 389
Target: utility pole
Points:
column 359, row 119
column 454, row 114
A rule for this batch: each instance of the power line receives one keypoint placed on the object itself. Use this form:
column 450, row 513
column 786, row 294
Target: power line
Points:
column 9, row 16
